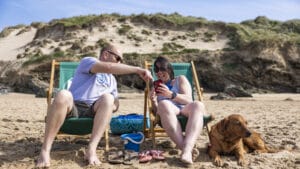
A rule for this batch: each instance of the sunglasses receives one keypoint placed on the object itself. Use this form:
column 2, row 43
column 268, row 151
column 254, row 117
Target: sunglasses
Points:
column 157, row 69
column 118, row 57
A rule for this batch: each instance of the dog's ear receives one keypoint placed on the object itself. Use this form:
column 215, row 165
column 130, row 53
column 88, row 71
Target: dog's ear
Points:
column 224, row 124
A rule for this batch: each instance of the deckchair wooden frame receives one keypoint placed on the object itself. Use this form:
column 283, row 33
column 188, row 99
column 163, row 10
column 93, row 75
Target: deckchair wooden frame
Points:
column 154, row 131
column 55, row 65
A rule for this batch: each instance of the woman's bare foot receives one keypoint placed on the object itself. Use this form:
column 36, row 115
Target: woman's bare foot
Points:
column 91, row 157
column 187, row 158
column 43, row 160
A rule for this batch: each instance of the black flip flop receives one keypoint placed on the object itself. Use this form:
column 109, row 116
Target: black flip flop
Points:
column 116, row 157
column 130, row 157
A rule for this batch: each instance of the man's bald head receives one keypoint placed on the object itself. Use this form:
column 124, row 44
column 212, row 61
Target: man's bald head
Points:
column 113, row 50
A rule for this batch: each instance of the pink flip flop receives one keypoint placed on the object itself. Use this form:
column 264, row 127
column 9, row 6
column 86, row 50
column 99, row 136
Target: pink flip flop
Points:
column 157, row 155
column 145, row 157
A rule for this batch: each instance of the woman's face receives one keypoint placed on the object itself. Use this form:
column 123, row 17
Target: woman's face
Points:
column 161, row 72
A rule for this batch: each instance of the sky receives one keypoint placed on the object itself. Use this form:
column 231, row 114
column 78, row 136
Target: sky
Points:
column 14, row 12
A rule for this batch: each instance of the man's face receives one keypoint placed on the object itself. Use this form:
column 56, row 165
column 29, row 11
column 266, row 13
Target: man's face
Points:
column 112, row 56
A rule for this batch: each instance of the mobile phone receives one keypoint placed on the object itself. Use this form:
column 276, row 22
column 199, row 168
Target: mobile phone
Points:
column 156, row 84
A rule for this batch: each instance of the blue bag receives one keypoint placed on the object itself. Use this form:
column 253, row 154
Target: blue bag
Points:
column 127, row 123
column 132, row 141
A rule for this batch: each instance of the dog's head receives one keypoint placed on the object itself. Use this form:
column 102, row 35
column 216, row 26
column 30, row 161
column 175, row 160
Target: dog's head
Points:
column 235, row 126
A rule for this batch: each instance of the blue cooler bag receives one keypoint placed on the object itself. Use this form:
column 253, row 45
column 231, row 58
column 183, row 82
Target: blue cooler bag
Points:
column 127, row 123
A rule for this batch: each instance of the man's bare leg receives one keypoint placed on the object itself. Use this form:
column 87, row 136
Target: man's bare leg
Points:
column 56, row 115
column 103, row 108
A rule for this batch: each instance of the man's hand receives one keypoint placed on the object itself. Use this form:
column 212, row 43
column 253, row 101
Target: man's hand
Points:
column 145, row 74
column 116, row 105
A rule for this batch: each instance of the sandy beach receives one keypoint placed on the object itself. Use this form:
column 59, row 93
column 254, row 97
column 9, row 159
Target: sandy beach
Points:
column 275, row 116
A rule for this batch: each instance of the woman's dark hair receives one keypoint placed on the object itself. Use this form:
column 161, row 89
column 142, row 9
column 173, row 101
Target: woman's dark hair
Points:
column 164, row 62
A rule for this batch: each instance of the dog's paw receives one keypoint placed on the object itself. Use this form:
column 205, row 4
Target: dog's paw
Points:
column 255, row 152
column 241, row 162
column 218, row 162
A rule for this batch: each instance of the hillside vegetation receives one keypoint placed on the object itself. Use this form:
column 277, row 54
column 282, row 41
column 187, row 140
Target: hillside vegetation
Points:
column 260, row 55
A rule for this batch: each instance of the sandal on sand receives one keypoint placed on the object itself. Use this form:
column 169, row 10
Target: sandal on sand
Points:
column 195, row 154
column 116, row 157
column 130, row 157
column 157, row 155
column 145, row 157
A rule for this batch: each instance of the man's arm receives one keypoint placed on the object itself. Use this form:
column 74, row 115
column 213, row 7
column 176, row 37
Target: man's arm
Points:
column 119, row 69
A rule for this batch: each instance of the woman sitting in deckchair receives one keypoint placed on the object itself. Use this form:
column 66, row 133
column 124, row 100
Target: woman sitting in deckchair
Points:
column 171, row 98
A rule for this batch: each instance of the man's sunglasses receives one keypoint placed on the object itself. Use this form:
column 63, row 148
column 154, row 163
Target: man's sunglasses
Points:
column 118, row 57
column 157, row 69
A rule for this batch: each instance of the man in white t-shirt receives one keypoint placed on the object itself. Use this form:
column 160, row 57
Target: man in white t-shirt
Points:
column 93, row 93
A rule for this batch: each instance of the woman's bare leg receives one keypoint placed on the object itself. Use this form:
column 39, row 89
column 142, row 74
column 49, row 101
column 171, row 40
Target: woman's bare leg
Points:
column 194, row 111
column 168, row 114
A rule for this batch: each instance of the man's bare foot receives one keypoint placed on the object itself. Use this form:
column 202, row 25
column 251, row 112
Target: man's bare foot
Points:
column 43, row 160
column 91, row 157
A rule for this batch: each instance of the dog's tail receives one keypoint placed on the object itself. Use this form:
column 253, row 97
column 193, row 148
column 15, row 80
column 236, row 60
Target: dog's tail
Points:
column 257, row 145
column 261, row 150
column 272, row 150
column 276, row 150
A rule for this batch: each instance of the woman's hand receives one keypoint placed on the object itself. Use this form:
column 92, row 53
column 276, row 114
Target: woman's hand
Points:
column 163, row 90
column 153, row 96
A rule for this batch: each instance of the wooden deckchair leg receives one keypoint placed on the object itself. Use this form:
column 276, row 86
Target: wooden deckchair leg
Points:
column 50, row 90
column 106, row 140
column 153, row 135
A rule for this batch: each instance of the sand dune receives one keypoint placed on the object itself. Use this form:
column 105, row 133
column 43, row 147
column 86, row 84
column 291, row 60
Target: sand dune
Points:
column 14, row 44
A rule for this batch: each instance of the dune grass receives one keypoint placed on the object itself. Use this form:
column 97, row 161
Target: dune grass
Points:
column 248, row 35
column 263, row 32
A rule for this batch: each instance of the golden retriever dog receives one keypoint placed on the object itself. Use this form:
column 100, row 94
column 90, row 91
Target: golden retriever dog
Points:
column 232, row 136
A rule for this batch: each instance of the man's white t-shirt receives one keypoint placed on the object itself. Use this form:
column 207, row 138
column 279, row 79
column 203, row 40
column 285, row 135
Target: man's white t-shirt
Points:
column 88, row 87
